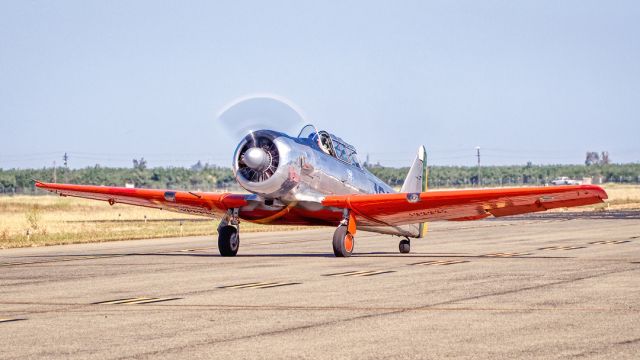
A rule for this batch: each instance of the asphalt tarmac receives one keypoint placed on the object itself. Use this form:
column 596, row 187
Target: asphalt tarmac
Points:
column 536, row 287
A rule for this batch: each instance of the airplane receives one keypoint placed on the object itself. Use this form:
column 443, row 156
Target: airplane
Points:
column 315, row 178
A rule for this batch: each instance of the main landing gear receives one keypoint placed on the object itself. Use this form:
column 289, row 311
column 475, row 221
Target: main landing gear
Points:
column 404, row 246
column 343, row 237
column 229, row 234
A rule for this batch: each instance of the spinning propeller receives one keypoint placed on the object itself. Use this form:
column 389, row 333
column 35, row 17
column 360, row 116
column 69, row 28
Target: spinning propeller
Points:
column 244, row 118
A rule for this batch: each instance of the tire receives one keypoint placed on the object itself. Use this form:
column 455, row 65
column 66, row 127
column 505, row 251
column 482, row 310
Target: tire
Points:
column 343, row 242
column 228, row 241
column 404, row 246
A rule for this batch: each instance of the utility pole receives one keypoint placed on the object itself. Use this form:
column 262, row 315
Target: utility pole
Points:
column 55, row 176
column 478, row 154
column 65, row 158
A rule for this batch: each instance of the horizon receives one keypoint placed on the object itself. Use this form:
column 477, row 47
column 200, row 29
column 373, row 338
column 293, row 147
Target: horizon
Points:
column 188, row 167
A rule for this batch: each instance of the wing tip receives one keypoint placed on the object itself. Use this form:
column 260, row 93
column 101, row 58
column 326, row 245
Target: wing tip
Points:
column 602, row 194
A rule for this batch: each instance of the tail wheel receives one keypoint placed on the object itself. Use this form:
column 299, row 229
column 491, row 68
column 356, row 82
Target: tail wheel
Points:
column 404, row 246
column 343, row 242
column 228, row 240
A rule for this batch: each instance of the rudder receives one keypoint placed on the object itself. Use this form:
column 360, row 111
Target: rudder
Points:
column 417, row 181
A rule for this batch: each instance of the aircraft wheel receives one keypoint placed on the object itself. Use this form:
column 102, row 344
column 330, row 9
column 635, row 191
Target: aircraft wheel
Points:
column 343, row 242
column 405, row 246
column 228, row 240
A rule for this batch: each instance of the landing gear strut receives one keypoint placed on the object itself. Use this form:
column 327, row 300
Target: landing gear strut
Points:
column 229, row 234
column 343, row 238
column 404, row 246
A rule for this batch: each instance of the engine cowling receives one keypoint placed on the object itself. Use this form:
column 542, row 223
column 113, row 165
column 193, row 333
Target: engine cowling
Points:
column 263, row 164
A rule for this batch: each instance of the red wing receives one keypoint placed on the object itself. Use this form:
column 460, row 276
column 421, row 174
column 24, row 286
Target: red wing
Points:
column 410, row 208
column 197, row 203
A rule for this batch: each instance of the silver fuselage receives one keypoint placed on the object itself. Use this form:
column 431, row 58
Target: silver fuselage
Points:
column 305, row 175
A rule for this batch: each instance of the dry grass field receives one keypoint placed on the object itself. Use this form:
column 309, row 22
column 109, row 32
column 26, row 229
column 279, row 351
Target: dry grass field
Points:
column 50, row 220
column 622, row 197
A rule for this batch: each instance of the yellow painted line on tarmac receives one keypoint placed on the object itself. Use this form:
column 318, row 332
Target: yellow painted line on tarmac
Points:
column 440, row 262
column 372, row 273
column 134, row 301
column 349, row 273
column 121, row 301
column 241, row 286
column 562, row 247
column 274, row 285
column 506, row 254
column 152, row 300
column 258, row 285
column 360, row 273
column 609, row 242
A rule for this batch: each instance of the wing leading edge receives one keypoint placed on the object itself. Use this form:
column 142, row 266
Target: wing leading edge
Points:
column 196, row 203
column 410, row 208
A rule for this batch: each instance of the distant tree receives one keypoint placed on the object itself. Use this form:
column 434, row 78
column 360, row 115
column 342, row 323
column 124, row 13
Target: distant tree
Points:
column 197, row 166
column 592, row 158
column 604, row 158
column 140, row 164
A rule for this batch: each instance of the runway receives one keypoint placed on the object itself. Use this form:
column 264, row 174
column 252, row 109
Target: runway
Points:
column 531, row 287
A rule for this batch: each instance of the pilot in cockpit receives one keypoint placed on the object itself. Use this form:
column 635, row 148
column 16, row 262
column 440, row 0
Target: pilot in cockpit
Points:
column 324, row 142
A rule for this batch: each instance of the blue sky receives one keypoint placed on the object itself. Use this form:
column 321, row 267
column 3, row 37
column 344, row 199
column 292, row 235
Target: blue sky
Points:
column 540, row 81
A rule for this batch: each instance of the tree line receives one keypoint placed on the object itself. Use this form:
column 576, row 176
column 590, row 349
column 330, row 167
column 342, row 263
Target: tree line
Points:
column 213, row 178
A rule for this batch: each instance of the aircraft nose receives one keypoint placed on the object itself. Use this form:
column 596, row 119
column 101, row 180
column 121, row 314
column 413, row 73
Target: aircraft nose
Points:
column 256, row 158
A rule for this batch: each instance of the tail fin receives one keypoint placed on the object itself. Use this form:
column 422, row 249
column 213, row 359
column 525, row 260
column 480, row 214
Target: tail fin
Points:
column 416, row 181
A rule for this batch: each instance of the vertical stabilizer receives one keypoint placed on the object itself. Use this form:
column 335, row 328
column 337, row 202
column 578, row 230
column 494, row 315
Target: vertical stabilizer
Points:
column 416, row 182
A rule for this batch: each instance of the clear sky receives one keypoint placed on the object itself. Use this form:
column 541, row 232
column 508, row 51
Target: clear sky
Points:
column 107, row 81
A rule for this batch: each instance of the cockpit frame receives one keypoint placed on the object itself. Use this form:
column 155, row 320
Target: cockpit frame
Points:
column 331, row 145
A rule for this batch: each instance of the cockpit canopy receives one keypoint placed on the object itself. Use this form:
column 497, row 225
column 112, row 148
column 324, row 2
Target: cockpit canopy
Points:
column 330, row 145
